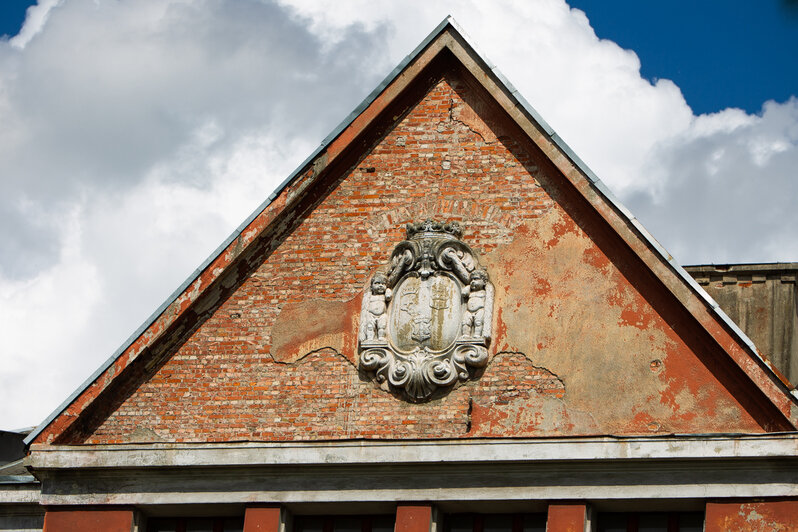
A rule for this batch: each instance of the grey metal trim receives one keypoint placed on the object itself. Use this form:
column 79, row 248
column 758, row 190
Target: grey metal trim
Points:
column 18, row 479
column 15, row 468
column 535, row 117
column 744, row 268
column 219, row 250
column 532, row 114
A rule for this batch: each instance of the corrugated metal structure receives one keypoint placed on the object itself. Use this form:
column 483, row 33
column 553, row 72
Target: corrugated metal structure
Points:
column 554, row 370
column 763, row 300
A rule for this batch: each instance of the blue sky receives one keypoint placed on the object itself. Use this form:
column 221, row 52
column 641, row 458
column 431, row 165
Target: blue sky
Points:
column 12, row 15
column 137, row 135
column 721, row 53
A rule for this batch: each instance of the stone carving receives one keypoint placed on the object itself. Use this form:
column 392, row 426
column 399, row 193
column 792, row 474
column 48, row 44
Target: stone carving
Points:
column 373, row 318
column 476, row 294
column 426, row 321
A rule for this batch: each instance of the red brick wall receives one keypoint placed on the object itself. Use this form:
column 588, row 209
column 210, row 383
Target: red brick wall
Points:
column 578, row 347
column 262, row 519
column 413, row 518
column 566, row 518
column 98, row 520
column 759, row 516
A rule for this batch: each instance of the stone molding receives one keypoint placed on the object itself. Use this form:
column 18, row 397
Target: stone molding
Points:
column 489, row 450
column 600, row 468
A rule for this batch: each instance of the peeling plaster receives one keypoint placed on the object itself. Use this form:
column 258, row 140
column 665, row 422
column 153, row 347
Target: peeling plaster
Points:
column 468, row 117
column 566, row 305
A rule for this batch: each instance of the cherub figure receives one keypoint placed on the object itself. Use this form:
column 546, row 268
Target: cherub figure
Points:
column 374, row 317
column 476, row 295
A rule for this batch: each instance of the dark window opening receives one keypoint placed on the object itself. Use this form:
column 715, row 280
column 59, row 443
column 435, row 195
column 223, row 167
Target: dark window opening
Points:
column 650, row 522
column 495, row 523
column 344, row 523
column 196, row 524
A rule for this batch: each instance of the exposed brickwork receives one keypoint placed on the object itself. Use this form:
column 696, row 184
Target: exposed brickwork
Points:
column 451, row 157
column 566, row 518
column 322, row 396
column 72, row 520
column 579, row 292
column 413, row 518
column 763, row 515
column 431, row 164
column 262, row 519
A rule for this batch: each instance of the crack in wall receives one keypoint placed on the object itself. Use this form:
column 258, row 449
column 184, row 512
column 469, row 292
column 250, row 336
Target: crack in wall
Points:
column 469, row 414
column 466, row 124
column 532, row 362
column 309, row 353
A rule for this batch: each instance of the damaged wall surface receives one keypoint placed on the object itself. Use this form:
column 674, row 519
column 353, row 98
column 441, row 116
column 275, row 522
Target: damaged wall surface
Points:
column 571, row 375
column 575, row 329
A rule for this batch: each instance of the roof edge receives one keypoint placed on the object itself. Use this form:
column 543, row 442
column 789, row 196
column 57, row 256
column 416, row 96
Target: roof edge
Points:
column 743, row 267
column 448, row 21
column 399, row 452
column 532, row 115
column 604, row 191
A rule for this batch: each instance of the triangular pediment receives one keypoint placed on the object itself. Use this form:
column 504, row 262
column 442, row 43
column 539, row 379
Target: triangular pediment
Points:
column 593, row 328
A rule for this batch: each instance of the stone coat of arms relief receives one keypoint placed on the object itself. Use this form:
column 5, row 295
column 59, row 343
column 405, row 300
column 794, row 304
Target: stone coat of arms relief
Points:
column 426, row 319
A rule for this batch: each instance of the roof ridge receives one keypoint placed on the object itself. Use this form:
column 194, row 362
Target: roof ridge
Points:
column 520, row 102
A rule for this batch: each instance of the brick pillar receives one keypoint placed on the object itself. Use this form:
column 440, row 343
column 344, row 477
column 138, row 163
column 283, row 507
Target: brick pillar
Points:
column 762, row 515
column 414, row 518
column 265, row 518
column 567, row 517
column 87, row 518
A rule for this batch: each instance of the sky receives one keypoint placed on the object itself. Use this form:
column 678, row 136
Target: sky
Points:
column 720, row 53
column 136, row 136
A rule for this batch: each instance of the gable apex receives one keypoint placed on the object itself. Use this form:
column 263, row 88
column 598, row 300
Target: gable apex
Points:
column 150, row 344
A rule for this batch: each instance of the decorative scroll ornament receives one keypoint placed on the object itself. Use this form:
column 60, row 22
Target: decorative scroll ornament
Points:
column 425, row 323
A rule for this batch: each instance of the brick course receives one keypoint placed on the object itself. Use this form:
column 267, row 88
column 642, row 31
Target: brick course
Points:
column 453, row 157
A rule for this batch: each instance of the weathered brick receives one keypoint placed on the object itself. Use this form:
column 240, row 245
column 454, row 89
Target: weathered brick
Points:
column 452, row 156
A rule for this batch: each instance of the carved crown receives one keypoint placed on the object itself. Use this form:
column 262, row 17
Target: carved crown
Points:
column 434, row 228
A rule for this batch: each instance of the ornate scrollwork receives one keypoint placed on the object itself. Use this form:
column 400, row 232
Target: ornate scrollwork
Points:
column 426, row 322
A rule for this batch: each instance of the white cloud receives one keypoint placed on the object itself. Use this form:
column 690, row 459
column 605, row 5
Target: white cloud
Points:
column 43, row 322
column 137, row 135
column 725, row 189
column 122, row 254
column 109, row 89
column 589, row 90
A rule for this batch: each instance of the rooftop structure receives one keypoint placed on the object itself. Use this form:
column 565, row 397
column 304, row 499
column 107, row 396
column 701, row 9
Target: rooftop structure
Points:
column 442, row 321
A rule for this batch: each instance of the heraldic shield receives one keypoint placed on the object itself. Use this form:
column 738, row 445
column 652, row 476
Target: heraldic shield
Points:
column 426, row 318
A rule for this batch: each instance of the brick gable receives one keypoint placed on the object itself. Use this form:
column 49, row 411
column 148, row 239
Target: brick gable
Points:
column 595, row 332
column 578, row 349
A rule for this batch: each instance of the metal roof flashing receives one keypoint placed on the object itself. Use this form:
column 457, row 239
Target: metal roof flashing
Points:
column 604, row 191
column 532, row 115
column 220, row 249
